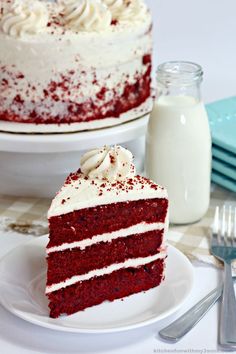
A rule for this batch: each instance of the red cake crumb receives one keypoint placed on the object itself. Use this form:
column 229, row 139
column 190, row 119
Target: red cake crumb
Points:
column 4, row 82
column 18, row 100
column 20, row 76
column 112, row 159
column 147, row 59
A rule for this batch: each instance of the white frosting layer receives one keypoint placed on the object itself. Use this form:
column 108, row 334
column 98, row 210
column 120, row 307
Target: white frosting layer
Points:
column 79, row 192
column 111, row 163
column 104, row 271
column 86, row 15
column 108, row 237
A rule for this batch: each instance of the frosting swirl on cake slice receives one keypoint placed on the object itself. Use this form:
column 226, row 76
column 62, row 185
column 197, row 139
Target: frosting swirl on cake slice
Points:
column 111, row 163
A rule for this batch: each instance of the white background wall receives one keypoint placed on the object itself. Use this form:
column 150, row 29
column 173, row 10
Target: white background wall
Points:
column 203, row 31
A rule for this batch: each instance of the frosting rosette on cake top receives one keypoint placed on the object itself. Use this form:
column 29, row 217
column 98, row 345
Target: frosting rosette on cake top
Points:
column 110, row 163
column 86, row 15
column 115, row 6
column 24, row 17
column 126, row 10
column 19, row 17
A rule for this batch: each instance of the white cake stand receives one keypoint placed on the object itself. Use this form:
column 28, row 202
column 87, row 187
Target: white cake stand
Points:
column 37, row 164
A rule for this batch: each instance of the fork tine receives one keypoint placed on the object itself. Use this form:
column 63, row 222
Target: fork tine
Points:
column 223, row 226
column 214, row 239
column 216, row 221
column 234, row 225
column 215, row 229
column 229, row 226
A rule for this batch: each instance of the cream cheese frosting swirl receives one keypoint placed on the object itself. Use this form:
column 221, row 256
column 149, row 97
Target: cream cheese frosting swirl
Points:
column 110, row 163
column 115, row 6
column 134, row 10
column 126, row 10
column 25, row 17
column 86, row 15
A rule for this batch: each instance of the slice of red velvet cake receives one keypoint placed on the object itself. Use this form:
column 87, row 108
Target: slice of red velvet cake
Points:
column 106, row 238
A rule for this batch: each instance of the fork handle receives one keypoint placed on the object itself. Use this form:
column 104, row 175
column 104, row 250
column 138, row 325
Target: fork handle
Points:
column 228, row 309
column 177, row 329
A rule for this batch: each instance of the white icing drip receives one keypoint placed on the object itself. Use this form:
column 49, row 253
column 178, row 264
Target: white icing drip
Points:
column 134, row 263
column 111, row 163
column 108, row 237
column 25, row 17
column 86, row 15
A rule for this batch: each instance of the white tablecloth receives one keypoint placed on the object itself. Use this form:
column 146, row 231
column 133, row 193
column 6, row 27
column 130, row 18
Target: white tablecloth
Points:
column 20, row 337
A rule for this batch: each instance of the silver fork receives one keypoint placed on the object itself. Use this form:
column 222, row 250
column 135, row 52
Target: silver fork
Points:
column 223, row 247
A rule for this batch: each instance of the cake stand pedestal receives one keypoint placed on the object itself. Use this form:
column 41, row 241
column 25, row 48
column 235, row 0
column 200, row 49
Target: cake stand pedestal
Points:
column 36, row 164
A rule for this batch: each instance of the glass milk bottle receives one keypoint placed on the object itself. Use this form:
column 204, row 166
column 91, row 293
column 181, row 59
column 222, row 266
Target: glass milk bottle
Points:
column 178, row 143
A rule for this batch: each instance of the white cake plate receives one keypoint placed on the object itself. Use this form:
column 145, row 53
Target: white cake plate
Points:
column 37, row 164
column 22, row 288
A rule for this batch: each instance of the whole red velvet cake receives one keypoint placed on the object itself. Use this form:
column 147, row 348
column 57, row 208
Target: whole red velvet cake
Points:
column 86, row 63
column 106, row 238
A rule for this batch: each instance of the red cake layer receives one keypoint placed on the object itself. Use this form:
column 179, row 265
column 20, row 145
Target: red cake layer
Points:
column 113, row 286
column 57, row 92
column 86, row 223
column 65, row 264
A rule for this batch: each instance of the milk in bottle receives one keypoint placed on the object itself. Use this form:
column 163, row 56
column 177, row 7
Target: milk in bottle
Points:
column 178, row 143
